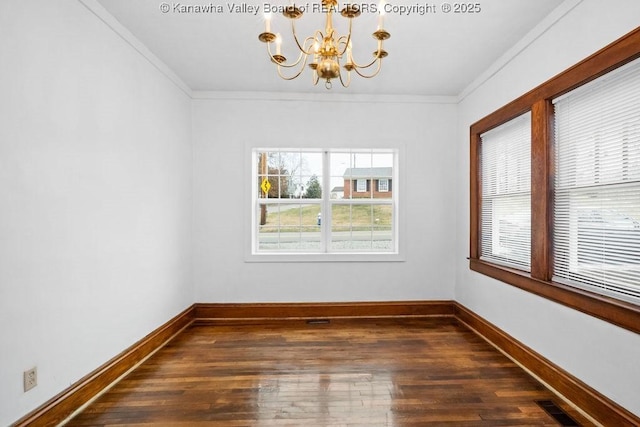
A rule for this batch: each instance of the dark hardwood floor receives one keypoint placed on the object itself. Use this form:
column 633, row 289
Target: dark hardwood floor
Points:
column 395, row 372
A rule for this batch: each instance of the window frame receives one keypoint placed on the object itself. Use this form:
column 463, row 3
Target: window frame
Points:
column 539, row 102
column 253, row 255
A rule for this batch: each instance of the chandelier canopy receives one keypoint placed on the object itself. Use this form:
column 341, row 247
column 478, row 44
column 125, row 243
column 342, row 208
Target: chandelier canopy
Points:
column 327, row 49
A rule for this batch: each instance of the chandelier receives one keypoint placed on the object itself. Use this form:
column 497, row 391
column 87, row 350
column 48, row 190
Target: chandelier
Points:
column 327, row 49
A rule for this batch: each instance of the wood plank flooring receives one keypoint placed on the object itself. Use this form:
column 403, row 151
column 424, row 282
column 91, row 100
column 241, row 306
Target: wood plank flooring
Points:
column 394, row 372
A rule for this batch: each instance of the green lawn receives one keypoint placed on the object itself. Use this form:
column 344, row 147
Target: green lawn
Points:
column 345, row 218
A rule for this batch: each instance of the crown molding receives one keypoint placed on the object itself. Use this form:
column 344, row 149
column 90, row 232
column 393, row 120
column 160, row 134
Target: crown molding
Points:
column 556, row 15
column 547, row 23
column 101, row 13
column 323, row 97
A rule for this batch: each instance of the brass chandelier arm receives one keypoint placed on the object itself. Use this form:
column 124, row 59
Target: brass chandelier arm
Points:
column 312, row 41
column 302, row 47
column 344, row 41
column 281, row 63
column 348, row 79
column 348, row 39
column 295, row 76
column 378, row 68
column 379, row 56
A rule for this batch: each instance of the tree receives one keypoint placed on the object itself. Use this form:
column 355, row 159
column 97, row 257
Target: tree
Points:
column 279, row 180
column 314, row 190
column 278, row 176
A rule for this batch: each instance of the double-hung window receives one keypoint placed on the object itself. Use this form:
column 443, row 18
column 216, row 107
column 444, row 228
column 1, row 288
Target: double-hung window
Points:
column 324, row 202
column 555, row 187
column 597, row 190
column 505, row 159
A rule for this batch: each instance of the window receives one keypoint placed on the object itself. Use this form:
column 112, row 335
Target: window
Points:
column 583, row 219
column 597, row 190
column 506, row 193
column 383, row 185
column 289, row 200
column 294, row 215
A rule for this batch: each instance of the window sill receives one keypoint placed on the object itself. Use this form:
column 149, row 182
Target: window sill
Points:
column 619, row 313
column 332, row 257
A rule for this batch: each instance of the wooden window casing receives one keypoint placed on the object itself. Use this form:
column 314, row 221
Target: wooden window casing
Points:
column 539, row 102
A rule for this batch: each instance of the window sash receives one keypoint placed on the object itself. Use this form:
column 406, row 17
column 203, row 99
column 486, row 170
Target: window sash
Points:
column 374, row 237
column 597, row 197
column 505, row 160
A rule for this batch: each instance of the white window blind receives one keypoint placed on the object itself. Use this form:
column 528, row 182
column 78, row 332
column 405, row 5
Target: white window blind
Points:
column 597, row 189
column 505, row 156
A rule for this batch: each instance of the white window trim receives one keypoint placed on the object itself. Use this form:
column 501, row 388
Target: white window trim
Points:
column 251, row 255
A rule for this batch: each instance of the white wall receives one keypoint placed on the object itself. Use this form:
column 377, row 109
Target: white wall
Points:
column 604, row 356
column 95, row 198
column 222, row 130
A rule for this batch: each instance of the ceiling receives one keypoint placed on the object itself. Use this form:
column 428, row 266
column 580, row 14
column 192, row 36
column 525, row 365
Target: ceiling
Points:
column 429, row 54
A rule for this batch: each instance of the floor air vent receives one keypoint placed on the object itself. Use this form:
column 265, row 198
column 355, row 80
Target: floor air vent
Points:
column 318, row 322
column 557, row 413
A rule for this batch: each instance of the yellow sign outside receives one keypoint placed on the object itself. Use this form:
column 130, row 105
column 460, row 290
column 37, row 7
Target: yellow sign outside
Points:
column 265, row 186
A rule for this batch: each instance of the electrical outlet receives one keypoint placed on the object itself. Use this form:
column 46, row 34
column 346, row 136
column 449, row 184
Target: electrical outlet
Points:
column 30, row 378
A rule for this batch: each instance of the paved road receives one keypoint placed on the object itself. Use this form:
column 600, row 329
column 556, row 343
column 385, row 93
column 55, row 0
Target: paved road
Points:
column 365, row 240
column 382, row 236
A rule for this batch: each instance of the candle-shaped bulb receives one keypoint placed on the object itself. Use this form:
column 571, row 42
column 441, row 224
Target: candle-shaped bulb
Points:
column 278, row 44
column 267, row 22
column 381, row 14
